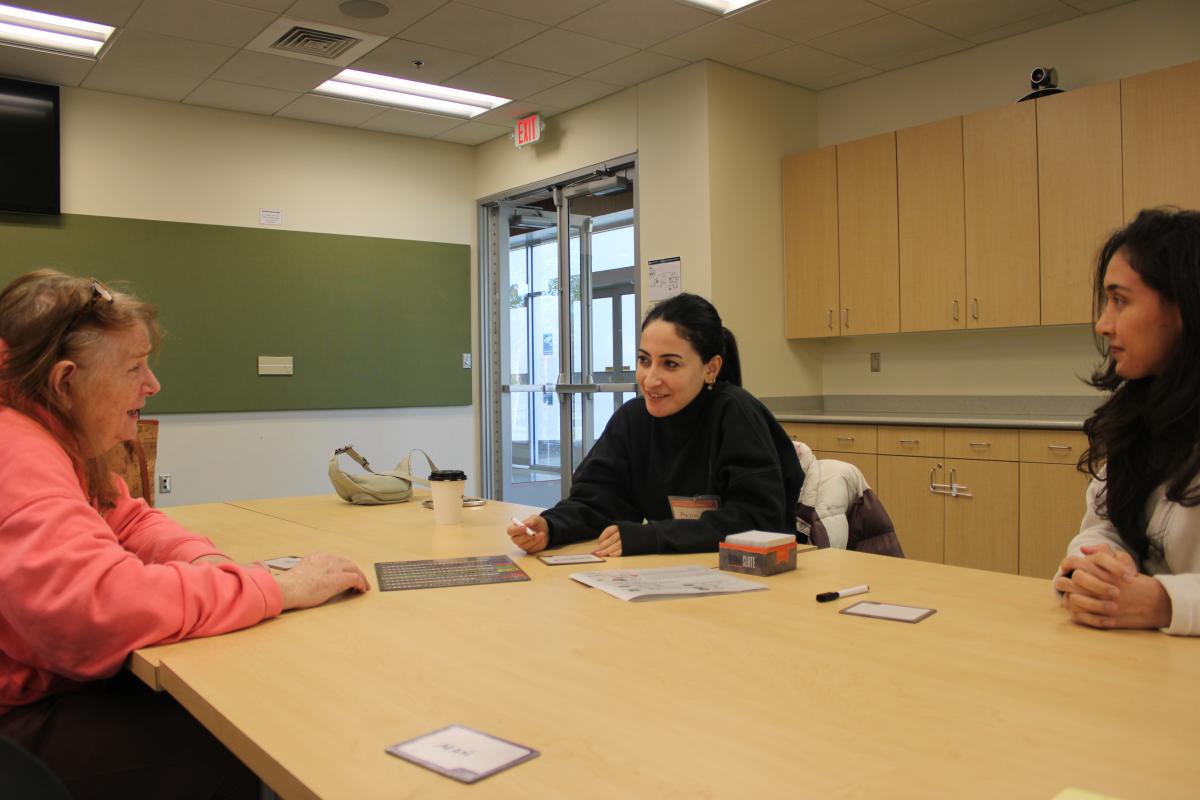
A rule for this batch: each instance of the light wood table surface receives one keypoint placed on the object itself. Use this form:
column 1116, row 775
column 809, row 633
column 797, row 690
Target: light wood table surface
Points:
column 767, row 694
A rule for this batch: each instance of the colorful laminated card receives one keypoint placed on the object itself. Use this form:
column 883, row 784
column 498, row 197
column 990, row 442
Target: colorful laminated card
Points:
column 439, row 572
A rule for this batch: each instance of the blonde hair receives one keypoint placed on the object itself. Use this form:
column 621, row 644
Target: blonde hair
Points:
column 46, row 317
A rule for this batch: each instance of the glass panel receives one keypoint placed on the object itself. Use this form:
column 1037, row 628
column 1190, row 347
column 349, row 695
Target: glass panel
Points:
column 602, row 346
column 612, row 249
column 629, row 333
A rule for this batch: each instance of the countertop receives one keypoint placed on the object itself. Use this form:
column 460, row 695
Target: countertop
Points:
column 1066, row 422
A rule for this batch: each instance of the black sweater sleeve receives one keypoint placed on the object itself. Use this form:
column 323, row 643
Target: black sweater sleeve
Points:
column 751, row 480
column 600, row 489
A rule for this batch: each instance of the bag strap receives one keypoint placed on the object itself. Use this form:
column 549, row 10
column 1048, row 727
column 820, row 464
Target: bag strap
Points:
column 404, row 468
column 350, row 451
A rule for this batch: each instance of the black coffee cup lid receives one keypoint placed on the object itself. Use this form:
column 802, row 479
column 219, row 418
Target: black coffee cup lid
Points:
column 447, row 475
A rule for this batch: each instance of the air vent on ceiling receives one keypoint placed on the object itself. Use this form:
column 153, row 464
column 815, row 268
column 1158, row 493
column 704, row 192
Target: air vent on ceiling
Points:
column 313, row 42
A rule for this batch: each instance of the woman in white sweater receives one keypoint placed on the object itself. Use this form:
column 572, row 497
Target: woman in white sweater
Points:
column 1136, row 560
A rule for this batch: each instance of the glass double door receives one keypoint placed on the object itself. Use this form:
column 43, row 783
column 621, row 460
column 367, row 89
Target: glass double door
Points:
column 563, row 316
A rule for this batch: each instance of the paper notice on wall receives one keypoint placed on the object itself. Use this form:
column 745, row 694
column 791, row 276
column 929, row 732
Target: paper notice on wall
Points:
column 270, row 216
column 664, row 278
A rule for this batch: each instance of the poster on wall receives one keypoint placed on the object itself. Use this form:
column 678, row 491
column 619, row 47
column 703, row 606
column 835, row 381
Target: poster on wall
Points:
column 664, row 278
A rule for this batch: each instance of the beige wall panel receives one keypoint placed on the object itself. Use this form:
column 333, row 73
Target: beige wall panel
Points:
column 1000, row 179
column 867, row 236
column 811, row 243
column 929, row 163
column 1052, row 505
column 1079, row 193
column 1161, row 129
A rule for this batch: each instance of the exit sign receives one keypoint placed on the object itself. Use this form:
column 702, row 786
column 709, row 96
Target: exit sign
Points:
column 528, row 130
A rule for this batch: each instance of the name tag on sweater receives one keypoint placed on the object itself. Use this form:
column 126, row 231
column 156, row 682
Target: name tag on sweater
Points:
column 693, row 507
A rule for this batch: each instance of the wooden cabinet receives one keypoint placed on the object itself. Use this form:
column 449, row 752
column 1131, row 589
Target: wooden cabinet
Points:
column 918, row 514
column 998, row 499
column 1004, row 209
column 867, row 236
column 982, row 514
column 1160, row 132
column 933, row 267
column 1079, row 193
column 810, row 231
column 1000, row 184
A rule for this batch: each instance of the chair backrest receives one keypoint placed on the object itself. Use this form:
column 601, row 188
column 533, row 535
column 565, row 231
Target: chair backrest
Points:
column 139, row 457
column 839, row 509
column 23, row 775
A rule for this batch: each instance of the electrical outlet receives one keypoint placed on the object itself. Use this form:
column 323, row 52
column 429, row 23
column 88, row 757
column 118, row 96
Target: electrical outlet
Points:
column 874, row 362
column 466, row 360
column 164, row 484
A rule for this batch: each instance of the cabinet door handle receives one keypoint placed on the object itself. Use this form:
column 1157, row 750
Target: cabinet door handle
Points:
column 979, row 444
column 955, row 311
column 908, row 441
column 1059, row 446
column 845, row 438
column 974, row 308
column 829, row 319
column 956, row 488
column 934, row 486
column 846, row 317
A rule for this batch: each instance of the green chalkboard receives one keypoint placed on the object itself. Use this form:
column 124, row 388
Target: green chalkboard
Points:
column 370, row 323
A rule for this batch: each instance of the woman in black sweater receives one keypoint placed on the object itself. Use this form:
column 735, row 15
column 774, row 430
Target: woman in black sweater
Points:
column 691, row 460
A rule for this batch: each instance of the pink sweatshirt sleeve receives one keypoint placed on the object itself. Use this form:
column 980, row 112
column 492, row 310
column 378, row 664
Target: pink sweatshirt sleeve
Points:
column 76, row 601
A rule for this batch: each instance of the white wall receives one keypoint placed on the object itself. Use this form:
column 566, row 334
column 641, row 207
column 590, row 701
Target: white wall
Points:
column 131, row 157
column 1126, row 40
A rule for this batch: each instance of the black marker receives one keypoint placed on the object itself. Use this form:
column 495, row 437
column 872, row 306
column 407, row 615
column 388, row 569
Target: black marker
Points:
column 825, row 597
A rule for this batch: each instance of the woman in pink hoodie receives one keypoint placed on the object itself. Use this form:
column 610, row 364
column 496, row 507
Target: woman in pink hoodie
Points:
column 89, row 574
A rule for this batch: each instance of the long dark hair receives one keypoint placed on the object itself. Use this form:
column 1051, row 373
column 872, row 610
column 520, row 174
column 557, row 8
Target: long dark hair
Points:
column 1148, row 431
column 697, row 322
column 46, row 316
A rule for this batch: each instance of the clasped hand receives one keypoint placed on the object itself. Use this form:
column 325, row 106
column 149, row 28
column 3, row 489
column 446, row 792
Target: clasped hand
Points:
column 1105, row 590
column 609, row 544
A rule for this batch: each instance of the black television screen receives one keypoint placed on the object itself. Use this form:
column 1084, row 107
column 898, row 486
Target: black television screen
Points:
column 29, row 169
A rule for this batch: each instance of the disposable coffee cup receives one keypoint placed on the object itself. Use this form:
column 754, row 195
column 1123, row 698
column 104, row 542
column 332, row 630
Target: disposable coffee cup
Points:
column 447, row 486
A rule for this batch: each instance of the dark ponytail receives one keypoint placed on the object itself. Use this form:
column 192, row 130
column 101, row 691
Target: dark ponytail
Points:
column 698, row 323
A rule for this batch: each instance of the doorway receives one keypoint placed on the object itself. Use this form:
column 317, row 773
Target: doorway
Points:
column 560, row 316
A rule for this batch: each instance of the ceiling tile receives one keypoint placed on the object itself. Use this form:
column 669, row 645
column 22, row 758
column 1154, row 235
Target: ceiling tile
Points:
column 106, row 12
column 274, row 72
column 410, row 123
column 565, row 52
column 395, row 56
column 548, row 12
column 1094, row 5
column 809, row 68
column 573, row 93
column 403, row 14
column 473, row 133
column 637, row 68
column 277, row 6
column 502, row 79
column 34, row 65
column 331, row 110
column 801, row 21
column 201, row 20
column 472, row 30
column 889, row 42
column 160, row 84
column 509, row 113
column 966, row 18
column 151, row 51
column 239, row 97
column 639, row 23
column 1051, row 17
column 722, row 41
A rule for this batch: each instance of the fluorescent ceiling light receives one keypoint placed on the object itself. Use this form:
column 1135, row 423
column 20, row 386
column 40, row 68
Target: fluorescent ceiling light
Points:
column 385, row 90
column 722, row 6
column 74, row 37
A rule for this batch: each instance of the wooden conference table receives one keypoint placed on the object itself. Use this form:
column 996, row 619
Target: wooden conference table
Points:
column 767, row 694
